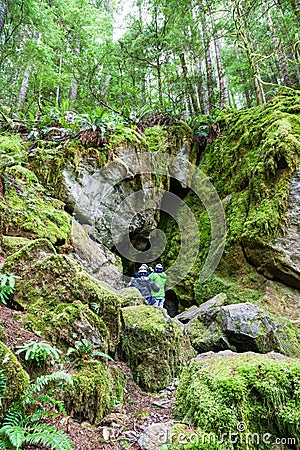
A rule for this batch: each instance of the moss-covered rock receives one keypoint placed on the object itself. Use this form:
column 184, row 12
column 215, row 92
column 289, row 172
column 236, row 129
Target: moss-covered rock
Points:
column 238, row 397
column 26, row 209
column 95, row 391
column 155, row 347
column 62, row 301
column 17, row 379
column 214, row 326
column 251, row 165
column 12, row 244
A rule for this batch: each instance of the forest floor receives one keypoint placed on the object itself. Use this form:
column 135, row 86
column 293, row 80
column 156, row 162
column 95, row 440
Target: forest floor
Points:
column 122, row 428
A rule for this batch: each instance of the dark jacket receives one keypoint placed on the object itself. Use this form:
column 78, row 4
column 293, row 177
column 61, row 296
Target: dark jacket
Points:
column 145, row 286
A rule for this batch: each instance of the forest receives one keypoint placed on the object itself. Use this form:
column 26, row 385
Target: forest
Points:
column 181, row 58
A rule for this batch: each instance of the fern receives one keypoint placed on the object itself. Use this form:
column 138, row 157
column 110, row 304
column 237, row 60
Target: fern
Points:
column 50, row 438
column 38, row 352
column 23, row 422
column 2, row 385
column 14, row 434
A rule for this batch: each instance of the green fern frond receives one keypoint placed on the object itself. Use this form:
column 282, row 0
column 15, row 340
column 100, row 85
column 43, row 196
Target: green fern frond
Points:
column 14, row 434
column 101, row 354
column 2, row 384
column 56, row 440
column 3, row 444
column 14, row 417
column 44, row 380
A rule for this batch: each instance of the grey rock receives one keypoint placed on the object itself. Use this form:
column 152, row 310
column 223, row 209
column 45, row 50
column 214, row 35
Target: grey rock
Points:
column 155, row 435
column 280, row 259
column 95, row 258
column 239, row 327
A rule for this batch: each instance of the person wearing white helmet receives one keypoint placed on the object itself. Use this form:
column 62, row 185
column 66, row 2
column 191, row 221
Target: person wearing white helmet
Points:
column 159, row 278
column 144, row 285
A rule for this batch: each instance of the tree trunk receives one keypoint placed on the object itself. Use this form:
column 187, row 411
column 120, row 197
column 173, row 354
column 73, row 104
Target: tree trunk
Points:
column 209, row 67
column 73, row 91
column 3, row 12
column 24, row 88
column 241, row 32
column 190, row 90
column 159, row 82
column 281, row 57
column 221, row 76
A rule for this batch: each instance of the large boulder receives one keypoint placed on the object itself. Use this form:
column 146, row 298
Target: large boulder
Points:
column 63, row 302
column 214, row 326
column 238, row 401
column 96, row 389
column 155, row 346
column 279, row 259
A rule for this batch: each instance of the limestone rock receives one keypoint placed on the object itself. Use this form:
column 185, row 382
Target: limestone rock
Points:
column 96, row 259
column 280, row 259
column 226, row 394
column 155, row 435
column 17, row 379
column 214, row 326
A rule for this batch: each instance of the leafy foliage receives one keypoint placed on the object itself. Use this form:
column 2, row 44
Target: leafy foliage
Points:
column 84, row 350
column 23, row 423
column 38, row 352
column 7, row 286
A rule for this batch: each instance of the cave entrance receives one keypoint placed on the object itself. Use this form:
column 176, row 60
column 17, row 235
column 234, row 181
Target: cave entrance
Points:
column 171, row 303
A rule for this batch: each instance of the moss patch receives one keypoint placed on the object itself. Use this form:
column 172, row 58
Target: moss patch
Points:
column 58, row 296
column 259, row 391
column 250, row 164
column 17, row 379
column 156, row 349
column 27, row 210
column 95, row 391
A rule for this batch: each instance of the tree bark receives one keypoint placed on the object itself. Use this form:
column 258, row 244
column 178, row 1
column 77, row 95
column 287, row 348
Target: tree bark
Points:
column 241, row 32
column 190, row 89
column 209, row 66
column 281, row 57
column 24, row 88
column 3, row 12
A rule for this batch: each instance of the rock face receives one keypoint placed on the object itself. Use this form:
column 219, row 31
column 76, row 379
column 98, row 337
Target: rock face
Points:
column 62, row 301
column 95, row 259
column 280, row 260
column 236, row 390
column 154, row 346
column 96, row 192
column 214, row 326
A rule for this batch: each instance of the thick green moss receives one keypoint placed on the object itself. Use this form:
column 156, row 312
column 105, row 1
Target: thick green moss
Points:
column 95, row 391
column 58, row 296
column 241, row 395
column 12, row 244
column 156, row 349
column 27, row 210
column 250, row 164
column 17, row 379
column 12, row 151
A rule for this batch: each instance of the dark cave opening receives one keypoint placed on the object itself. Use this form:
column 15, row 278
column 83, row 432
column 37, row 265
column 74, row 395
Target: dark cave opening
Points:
column 171, row 303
